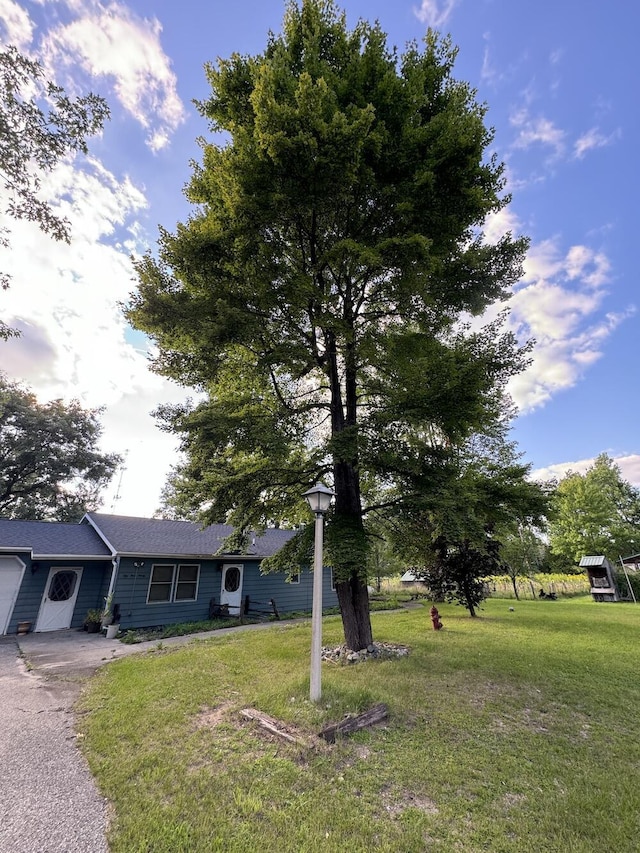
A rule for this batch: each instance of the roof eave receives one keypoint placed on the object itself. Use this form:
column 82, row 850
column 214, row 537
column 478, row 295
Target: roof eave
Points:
column 95, row 527
column 165, row 555
column 21, row 549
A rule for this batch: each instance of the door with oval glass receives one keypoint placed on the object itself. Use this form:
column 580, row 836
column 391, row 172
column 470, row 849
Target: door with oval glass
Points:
column 231, row 589
column 59, row 599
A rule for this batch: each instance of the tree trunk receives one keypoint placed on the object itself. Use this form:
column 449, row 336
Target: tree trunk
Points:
column 354, row 607
column 353, row 596
column 515, row 587
column 469, row 599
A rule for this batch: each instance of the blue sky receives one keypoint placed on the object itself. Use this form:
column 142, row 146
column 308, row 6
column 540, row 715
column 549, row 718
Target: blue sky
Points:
column 560, row 82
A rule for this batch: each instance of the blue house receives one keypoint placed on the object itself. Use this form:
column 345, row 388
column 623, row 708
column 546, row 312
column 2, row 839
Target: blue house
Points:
column 155, row 572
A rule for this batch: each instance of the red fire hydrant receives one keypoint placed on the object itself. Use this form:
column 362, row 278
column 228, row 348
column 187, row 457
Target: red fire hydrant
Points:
column 435, row 618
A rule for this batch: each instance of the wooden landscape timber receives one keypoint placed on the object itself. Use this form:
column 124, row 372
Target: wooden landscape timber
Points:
column 274, row 726
column 374, row 715
column 330, row 733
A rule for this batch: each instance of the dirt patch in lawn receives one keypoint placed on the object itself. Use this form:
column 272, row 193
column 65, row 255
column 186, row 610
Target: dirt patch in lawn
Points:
column 212, row 717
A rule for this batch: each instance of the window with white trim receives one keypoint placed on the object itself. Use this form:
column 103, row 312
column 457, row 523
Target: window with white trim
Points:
column 294, row 577
column 333, row 580
column 160, row 583
column 187, row 582
column 171, row 583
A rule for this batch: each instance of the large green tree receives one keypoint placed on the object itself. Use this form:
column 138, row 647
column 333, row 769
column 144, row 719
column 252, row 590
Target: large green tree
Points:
column 51, row 468
column 597, row 512
column 317, row 295
column 455, row 535
column 40, row 125
column 522, row 552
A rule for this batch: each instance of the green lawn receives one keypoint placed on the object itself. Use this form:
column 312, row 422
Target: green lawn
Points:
column 516, row 731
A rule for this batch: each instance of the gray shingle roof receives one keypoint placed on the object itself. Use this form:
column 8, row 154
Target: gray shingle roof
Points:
column 158, row 537
column 51, row 538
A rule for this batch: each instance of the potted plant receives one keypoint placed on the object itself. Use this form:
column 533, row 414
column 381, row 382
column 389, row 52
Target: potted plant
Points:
column 110, row 617
column 92, row 621
column 107, row 614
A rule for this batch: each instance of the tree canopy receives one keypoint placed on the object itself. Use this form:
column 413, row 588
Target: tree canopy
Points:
column 595, row 513
column 319, row 295
column 523, row 552
column 40, row 126
column 455, row 535
column 51, row 468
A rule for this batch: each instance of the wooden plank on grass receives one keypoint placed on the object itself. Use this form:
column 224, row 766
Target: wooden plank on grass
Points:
column 271, row 725
column 374, row 715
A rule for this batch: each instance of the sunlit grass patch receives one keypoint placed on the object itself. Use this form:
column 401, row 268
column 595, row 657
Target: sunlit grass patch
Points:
column 511, row 732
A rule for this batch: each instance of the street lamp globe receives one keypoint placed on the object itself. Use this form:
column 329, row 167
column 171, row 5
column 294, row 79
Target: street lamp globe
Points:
column 319, row 498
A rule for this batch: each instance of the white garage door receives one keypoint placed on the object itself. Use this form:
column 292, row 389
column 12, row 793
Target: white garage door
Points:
column 11, row 572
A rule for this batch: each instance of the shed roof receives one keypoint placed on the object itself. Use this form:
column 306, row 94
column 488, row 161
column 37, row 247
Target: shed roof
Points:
column 154, row 537
column 589, row 562
column 51, row 539
column 408, row 577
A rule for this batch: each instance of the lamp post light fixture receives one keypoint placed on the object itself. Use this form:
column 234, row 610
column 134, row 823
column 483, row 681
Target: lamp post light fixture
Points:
column 319, row 499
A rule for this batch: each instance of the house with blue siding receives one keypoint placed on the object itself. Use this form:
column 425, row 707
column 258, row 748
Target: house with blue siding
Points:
column 154, row 572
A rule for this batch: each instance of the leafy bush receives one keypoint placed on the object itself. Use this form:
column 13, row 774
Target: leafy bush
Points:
column 621, row 583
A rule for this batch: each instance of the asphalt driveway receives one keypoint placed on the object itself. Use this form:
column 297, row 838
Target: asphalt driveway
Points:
column 49, row 802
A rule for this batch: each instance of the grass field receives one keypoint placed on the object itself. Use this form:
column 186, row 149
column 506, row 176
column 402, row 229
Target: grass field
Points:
column 516, row 731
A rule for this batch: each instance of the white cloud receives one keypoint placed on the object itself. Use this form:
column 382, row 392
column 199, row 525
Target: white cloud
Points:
column 559, row 304
column 561, row 358
column 577, row 259
column 497, row 225
column 66, row 296
column 109, row 40
column 543, row 260
column 16, row 26
column 536, row 131
column 489, row 73
column 65, row 299
column 75, row 342
column 435, row 13
column 131, row 431
column 591, row 140
column 629, row 465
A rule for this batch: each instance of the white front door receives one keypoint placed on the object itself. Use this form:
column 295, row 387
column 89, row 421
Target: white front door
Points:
column 11, row 572
column 59, row 599
column 231, row 590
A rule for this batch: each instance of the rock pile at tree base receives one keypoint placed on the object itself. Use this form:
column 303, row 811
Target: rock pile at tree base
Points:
column 376, row 651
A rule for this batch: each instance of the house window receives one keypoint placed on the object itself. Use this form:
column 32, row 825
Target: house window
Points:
column 187, row 582
column 294, row 577
column 169, row 583
column 333, row 580
column 160, row 584
column 232, row 578
column 62, row 586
